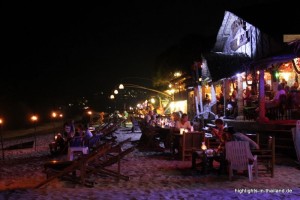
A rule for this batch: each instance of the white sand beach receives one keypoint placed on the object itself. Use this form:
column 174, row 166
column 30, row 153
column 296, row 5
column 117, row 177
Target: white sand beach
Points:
column 152, row 176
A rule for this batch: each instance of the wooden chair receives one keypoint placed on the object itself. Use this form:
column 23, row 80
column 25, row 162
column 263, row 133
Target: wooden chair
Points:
column 254, row 137
column 148, row 140
column 60, row 169
column 114, row 155
column 240, row 158
column 191, row 141
column 266, row 156
column 93, row 163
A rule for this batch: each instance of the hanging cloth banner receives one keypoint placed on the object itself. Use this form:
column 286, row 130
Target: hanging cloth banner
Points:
column 200, row 98
column 196, row 104
column 213, row 96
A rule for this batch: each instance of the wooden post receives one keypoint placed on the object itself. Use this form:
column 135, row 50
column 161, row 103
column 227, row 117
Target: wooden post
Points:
column 2, row 149
column 262, row 108
column 197, row 66
column 240, row 97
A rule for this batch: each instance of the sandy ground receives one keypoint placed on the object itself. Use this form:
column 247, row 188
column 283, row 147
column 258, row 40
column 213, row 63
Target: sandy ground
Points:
column 152, row 175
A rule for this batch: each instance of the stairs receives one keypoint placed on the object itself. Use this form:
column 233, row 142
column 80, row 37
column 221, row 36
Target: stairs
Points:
column 284, row 145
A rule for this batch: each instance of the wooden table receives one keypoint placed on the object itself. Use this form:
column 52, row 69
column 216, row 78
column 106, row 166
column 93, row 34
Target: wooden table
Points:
column 206, row 162
column 152, row 136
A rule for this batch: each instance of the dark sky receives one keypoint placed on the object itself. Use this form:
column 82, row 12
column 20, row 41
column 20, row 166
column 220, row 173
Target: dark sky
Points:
column 76, row 46
column 54, row 49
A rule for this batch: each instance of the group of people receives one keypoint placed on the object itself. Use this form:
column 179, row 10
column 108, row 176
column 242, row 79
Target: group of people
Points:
column 72, row 135
column 222, row 133
column 77, row 135
column 283, row 93
column 278, row 97
column 226, row 134
column 177, row 121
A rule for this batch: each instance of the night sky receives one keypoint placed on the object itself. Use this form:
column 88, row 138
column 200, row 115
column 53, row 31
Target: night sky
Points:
column 54, row 50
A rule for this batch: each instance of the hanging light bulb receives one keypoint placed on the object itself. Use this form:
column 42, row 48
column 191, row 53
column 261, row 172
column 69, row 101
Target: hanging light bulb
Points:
column 116, row 91
column 203, row 146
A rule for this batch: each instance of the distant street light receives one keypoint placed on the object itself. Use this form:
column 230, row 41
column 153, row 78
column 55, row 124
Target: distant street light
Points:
column 90, row 115
column 1, row 124
column 129, row 85
column 34, row 119
column 54, row 115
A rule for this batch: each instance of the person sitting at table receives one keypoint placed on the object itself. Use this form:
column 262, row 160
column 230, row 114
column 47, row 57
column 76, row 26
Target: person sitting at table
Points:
column 218, row 131
column 183, row 123
column 69, row 130
column 150, row 118
column 226, row 134
column 232, row 135
column 78, row 138
column 276, row 100
column 87, row 134
column 247, row 97
column 175, row 117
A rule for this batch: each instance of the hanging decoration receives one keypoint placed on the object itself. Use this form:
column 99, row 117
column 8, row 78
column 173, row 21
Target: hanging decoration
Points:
column 296, row 64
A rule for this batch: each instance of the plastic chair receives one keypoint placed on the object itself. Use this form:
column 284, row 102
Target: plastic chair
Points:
column 240, row 158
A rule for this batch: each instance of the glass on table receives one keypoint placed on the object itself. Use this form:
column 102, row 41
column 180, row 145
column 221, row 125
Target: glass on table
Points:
column 209, row 152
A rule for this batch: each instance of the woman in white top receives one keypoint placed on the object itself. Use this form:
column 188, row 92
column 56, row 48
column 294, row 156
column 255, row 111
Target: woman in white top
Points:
column 183, row 122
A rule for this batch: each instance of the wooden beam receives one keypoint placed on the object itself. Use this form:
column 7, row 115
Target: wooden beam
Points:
column 290, row 37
